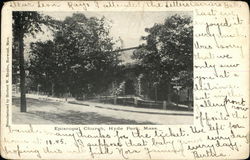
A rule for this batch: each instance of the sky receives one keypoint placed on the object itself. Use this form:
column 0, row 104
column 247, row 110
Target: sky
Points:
column 129, row 26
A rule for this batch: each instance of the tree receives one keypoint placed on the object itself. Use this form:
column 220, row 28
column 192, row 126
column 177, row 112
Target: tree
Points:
column 87, row 46
column 168, row 53
column 43, row 66
column 79, row 58
column 24, row 24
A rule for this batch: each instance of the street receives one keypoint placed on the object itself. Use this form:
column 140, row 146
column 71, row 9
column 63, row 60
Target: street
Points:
column 47, row 111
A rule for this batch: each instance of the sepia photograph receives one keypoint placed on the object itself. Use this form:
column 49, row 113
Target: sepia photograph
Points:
column 125, row 80
column 91, row 68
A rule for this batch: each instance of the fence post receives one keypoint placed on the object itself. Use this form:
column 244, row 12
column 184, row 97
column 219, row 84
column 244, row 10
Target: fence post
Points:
column 66, row 97
column 164, row 105
column 135, row 101
column 99, row 98
column 115, row 100
column 189, row 106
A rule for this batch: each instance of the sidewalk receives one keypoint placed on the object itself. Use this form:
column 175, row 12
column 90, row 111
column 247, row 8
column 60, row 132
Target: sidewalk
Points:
column 132, row 109
column 112, row 106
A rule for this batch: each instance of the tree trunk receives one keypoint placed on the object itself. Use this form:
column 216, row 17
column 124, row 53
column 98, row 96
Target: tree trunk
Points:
column 156, row 98
column 169, row 93
column 22, row 73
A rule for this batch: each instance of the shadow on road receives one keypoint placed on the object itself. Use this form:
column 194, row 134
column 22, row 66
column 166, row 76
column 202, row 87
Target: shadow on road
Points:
column 34, row 102
column 90, row 118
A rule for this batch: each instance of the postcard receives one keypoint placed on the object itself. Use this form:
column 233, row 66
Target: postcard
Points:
column 125, row 80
